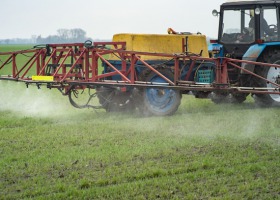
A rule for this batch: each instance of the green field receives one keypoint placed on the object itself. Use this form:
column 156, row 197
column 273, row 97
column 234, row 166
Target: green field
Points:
column 50, row 150
column 21, row 59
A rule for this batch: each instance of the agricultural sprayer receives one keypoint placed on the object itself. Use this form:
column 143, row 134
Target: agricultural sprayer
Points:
column 151, row 72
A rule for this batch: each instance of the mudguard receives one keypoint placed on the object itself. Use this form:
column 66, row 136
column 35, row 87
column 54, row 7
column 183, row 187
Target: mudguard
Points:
column 253, row 53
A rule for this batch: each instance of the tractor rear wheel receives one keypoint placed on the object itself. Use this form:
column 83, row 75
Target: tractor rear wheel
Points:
column 158, row 101
column 270, row 73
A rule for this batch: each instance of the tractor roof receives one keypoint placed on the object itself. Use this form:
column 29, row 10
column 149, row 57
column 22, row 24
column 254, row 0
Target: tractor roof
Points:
column 250, row 2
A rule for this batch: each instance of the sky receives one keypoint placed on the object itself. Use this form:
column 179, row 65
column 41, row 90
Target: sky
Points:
column 101, row 19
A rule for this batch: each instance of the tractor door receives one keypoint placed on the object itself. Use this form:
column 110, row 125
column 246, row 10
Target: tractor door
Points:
column 269, row 23
column 237, row 31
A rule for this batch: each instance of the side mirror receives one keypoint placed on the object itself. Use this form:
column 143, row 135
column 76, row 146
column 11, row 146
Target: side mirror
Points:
column 215, row 13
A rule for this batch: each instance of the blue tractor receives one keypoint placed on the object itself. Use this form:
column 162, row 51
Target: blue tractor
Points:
column 249, row 30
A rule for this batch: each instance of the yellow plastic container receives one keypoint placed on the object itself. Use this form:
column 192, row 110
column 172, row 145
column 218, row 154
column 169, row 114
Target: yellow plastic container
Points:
column 162, row 43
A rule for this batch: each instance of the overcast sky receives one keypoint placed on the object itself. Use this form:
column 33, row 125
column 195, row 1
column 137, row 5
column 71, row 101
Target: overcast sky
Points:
column 103, row 18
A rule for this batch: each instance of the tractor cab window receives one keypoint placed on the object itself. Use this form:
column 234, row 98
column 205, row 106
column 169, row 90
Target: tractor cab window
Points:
column 269, row 24
column 236, row 26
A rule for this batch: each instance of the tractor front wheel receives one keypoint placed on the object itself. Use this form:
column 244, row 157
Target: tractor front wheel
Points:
column 219, row 98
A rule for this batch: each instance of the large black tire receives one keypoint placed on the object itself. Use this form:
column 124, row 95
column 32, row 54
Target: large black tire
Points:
column 219, row 98
column 270, row 73
column 238, row 98
column 113, row 100
column 155, row 101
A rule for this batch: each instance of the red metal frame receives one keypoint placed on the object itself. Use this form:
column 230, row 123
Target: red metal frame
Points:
column 83, row 67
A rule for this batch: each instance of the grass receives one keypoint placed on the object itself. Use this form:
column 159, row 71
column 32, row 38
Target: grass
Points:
column 204, row 151
column 50, row 150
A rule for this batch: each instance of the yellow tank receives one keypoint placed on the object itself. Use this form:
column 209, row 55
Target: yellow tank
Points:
column 162, row 43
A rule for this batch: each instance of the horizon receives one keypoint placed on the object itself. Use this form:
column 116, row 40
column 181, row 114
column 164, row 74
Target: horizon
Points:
column 103, row 19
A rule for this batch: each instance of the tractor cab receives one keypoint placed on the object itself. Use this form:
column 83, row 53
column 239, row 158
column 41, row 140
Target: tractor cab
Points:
column 245, row 23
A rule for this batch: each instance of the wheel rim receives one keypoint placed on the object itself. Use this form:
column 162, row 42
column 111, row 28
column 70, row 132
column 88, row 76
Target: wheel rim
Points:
column 160, row 100
column 272, row 76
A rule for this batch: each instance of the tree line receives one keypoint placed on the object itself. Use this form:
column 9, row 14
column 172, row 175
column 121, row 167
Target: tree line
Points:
column 62, row 36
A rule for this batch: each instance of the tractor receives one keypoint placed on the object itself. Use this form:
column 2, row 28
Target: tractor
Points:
column 151, row 72
column 249, row 30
